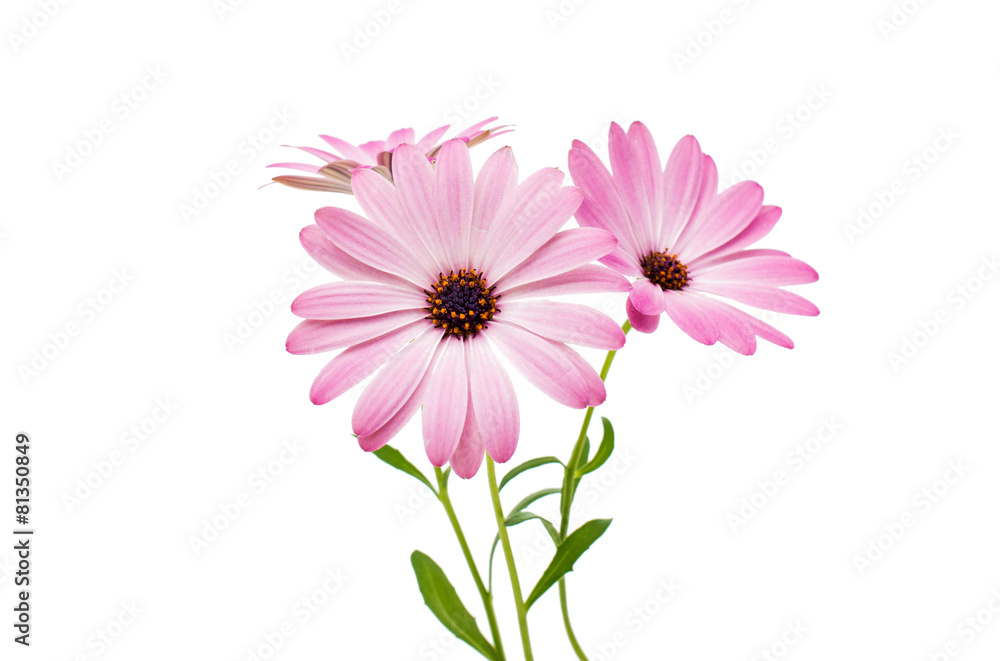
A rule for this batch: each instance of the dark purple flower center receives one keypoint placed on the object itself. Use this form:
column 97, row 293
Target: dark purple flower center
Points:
column 664, row 270
column 461, row 303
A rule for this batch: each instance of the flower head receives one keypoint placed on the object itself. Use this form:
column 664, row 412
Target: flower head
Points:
column 335, row 171
column 685, row 242
column 441, row 276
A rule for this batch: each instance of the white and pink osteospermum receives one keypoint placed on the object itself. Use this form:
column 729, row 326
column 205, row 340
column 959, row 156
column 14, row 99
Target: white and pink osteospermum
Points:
column 442, row 276
column 685, row 242
column 337, row 166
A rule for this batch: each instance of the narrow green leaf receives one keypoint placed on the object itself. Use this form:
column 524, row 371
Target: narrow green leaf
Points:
column 441, row 598
column 515, row 519
column 532, row 498
column 568, row 553
column 526, row 466
column 603, row 452
column 395, row 458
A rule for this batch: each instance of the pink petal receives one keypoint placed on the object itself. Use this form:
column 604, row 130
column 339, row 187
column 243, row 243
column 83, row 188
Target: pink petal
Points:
column 370, row 244
column 395, row 383
column 565, row 322
column 641, row 322
column 734, row 330
column 761, row 329
column 373, row 148
column 319, row 246
column 386, row 432
column 598, row 393
column 566, row 250
column 378, row 199
column 623, row 262
column 356, row 363
column 493, row 399
column 415, row 182
column 650, row 173
column 398, row 137
column 763, row 297
column 475, row 128
column 453, row 196
column 646, row 297
column 758, row 228
column 305, row 167
column 446, row 402
column 542, row 363
column 590, row 279
column 683, row 310
column 320, row 154
column 725, row 217
column 349, row 300
column 531, row 229
column 315, row 336
column 429, row 141
column 758, row 270
column 495, row 184
column 628, row 178
column 348, row 151
column 602, row 206
column 682, row 183
column 468, row 456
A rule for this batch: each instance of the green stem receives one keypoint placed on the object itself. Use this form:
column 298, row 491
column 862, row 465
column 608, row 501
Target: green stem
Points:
column 569, row 491
column 522, row 612
column 483, row 592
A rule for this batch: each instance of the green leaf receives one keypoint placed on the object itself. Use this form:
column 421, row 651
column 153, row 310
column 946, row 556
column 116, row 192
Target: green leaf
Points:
column 532, row 498
column 395, row 458
column 441, row 598
column 526, row 466
column 603, row 452
column 568, row 553
column 515, row 519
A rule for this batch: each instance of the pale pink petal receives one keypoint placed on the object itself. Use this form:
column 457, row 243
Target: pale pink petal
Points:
column 542, row 363
column 429, row 141
column 446, row 402
column 734, row 330
column 649, row 171
column 453, row 197
column 319, row 246
column 386, row 432
column 348, row 300
column 628, row 178
column 683, row 310
column 370, row 244
column 641, row 322
column 398, row 137
column 315, row 336
column 598, row 393
column 347, row 150
column 706, row 262
column 709, row 186
column 522, row 211
column 394, row 383
column 682, row 184
column 758, row 228
column 758, row 270
column 761, row 329
column 590, row 279
column 373, row 148
column 725, row 217
column 414, row 179
column 378, row 199
column 566, row 250
column 468, row 456
column 495, row 183
column 602, row 206
column 623, row 262
column 531, row 229
column 646, row 297
column 305, row 167
column 319, row 153
column 493, row 399
column 474, row 129
column 571, row 323
column 760, row 296
column 356, row 363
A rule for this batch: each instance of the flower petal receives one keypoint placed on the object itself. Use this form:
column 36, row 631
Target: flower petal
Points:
column 725, row 217
column 761, row 296
column 495, row 183
column 446, row 402
column 649, row 171
column 386, row 432
column 429, row 141
column 356, row 363
column 590, row 279
column 683, row 310
column 628, row 179
column 641, row 322
column 753, row 268
column 414, row 178
column 566, row 250
column 682, row 184
column 349, row 300
column 319, row 246
column 315, row 336
column 468, row 456
column 602, row 206
column 398, row 137
column 758, row 228
column 347, row 150
column 394, row 383
column 646, row 297
column 378, row 199
column 598, row 393
column 734, row 330
column 493, row 400
column 565, row 322
column 454, row 197
column 542, row 363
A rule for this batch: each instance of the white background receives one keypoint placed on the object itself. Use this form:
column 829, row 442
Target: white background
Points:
column 697, row 429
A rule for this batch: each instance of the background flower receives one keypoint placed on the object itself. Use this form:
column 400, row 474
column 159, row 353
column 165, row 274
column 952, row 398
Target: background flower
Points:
column 685, row 242
column 444, row 273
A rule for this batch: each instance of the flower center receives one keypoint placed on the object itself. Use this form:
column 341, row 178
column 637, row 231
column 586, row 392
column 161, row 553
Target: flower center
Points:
column 461, row 303
column 664, row 270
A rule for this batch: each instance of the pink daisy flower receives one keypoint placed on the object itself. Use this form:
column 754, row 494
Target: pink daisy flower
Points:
column 442, row 277
column 685, row 242
column 337, row 166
